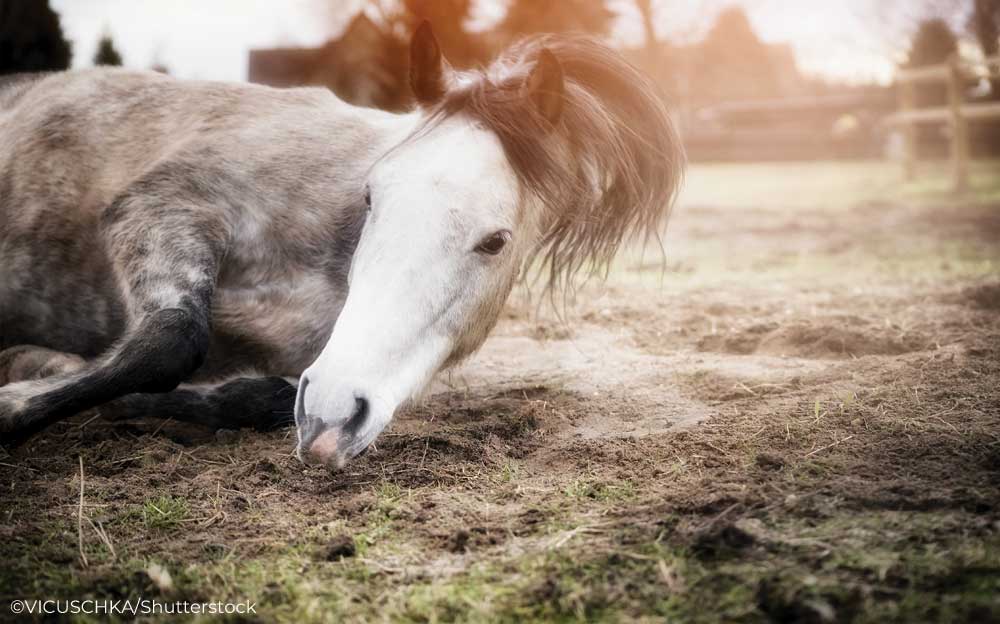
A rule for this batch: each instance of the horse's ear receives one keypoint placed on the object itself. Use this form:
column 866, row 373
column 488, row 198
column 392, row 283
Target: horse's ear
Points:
column 427, row 67
column 545, row 86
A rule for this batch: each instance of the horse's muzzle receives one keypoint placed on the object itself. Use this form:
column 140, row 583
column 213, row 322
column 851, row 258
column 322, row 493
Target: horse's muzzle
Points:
column 319, row 445
column 323, row 443
column 323, row 450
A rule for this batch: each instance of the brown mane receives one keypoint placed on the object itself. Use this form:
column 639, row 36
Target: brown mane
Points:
column 627, row 160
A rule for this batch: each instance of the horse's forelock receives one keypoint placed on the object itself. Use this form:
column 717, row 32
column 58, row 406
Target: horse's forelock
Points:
column 626, row 157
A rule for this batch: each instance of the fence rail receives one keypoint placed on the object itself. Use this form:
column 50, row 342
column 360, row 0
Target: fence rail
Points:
column 971, row 112
column 957, row 114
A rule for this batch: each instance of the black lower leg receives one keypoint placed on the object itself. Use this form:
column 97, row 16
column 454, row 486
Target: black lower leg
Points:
column 262, row 403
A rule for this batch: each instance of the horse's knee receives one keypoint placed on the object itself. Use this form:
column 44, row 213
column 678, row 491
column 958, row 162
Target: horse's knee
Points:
column 165, row 349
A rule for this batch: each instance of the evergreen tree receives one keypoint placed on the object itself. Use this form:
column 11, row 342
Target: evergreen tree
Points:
column 31, row 38
column 106, row 53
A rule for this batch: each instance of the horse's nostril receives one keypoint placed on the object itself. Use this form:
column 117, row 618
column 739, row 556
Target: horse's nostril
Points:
column 359, row 416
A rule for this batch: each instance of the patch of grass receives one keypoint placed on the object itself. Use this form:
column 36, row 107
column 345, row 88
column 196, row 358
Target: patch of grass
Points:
column 164, row 512
column 508, row 472
column 378, row 521
column 388, row 494
column 472, row 597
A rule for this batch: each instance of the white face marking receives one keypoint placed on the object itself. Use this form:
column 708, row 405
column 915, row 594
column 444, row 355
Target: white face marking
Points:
column 420, row 291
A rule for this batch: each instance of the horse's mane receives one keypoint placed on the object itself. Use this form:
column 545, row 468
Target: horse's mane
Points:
column 626, row 159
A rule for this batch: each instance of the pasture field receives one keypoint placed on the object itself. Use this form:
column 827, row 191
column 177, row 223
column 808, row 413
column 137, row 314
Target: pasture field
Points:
column 795, row 418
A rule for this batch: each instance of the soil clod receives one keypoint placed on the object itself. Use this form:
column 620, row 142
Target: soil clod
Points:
column 340, row 547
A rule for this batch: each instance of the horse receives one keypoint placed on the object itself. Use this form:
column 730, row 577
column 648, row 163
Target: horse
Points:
column 241, row 256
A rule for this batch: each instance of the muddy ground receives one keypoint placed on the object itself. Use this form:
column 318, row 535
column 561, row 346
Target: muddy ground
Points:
column 797, row 420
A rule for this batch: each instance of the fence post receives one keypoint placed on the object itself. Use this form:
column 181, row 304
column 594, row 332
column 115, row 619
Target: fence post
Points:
column 959, row 127
column 907, row 102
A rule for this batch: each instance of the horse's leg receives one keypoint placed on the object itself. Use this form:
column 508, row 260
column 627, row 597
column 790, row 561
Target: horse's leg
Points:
column 165, row 248
column 25, row 362
column 263, row 403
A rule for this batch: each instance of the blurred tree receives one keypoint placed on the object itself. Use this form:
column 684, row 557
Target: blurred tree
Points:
column 106, row 53
column 651, row 57
column 733, row 63
column 31, row 38
column 934, row 43
column 449, row 18
column 985, row 24
column 525, row 17
column 645, row 8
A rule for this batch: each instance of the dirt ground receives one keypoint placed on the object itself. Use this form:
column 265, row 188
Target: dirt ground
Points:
column 796, row 418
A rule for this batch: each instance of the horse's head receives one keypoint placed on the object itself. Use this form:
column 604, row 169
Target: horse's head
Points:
column 559, row 149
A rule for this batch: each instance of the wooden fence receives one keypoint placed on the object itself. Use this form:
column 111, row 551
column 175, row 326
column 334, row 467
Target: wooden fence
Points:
column 959, row 114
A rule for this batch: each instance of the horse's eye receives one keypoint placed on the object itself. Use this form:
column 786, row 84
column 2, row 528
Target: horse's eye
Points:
column 368, row 198
column 494, row 243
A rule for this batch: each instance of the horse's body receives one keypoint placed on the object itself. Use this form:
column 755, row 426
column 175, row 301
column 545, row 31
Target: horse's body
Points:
column 74, row 146
column 155, row 232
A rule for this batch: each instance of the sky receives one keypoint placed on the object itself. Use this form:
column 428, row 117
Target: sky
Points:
column 209, row 39
column 206, row 39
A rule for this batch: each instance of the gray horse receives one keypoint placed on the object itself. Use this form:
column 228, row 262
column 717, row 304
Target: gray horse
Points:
column 193, row 250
